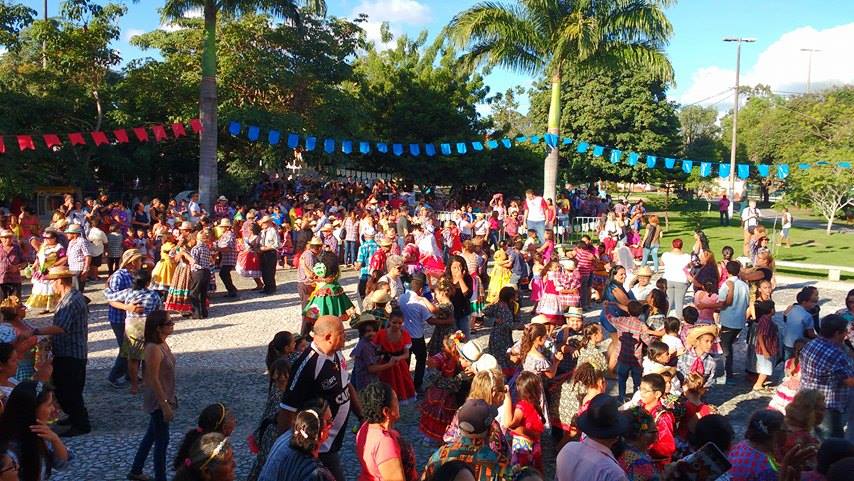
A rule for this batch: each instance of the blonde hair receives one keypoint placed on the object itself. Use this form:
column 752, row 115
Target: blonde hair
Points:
column 802, row 410
column 653, row 219
column 486, row 384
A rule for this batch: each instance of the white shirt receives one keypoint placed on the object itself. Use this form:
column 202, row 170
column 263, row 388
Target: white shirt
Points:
column 535, row 209
column 674, row 266
column 787, row 220
column 96, row 240
column 642, row 292
column 673, row 342
column 750, row 217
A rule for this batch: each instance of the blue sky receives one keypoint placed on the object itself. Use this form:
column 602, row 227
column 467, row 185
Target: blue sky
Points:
column 704, row 64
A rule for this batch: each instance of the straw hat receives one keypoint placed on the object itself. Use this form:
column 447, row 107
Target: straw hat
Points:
column 74, row 229
column 266, row 219
column 379, row 296
column 386, row 242
column 485, row 363
column 315, row 241
column 470, row 351
column 644, row 271
column 326, row 228
column 186, row 225
column 58, row 272
column 364, row 318
column 695, row 332
column 6, row 233
column 222, row 198
column 130, row 256
column 539, row 319
column 225, row 222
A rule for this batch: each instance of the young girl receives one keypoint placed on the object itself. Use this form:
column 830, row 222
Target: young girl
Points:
column 547, row 250
column 503, row 317
column 706, row 301
column 366, row 362
column 328, row 297
column 695, row 409
column 592, row 336
column 248, row 261
column 675, row 346
column 527, row 425
column 499, row 277
column 396, row 343
column 161, row 275
column 656, row 309
column 536, row 278
column 575, row 396
column 549, row 305
column 443, row 381
column 657, row 357
column 791, row 384
column 443, row 319
column 215, row 418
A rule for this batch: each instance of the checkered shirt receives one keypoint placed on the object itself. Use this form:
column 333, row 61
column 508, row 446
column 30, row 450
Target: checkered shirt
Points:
column 227, row 250
column 77, row 253
column 631, row 345
column 118, row 282
column 366, row 251
column 825, row 366
column 686, row 363
column 201, row 257
column 149, row 299
column 72, row 315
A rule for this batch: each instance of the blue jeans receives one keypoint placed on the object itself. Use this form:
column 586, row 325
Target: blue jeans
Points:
column 539, row 226
column 158, row 435
column 350, row 252
column 623, row 372
column 463, row 325
column 120, row 366
column 651, row 251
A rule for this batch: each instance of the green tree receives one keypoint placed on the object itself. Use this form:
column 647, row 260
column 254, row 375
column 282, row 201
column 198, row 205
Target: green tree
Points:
column 505, row 116
column 177, row 9
column 552, row 37
column 13, row 18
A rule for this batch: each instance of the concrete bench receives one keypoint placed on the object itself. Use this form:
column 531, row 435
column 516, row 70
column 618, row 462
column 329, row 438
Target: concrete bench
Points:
column 833, row 272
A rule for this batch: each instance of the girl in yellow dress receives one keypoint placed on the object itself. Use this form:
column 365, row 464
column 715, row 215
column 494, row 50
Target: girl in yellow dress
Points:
column 161, row 275
column 50, row 254
column 499, row 277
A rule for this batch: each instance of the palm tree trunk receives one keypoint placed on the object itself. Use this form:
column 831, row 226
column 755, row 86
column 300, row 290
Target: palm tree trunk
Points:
column 99, row 108
column 552, row 159
column 208, row 111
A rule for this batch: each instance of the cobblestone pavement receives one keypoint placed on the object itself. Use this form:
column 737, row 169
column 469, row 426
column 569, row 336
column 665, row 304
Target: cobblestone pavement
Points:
column 221, row 359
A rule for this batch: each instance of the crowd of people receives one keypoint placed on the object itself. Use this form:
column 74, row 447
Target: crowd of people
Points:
column 430, row 283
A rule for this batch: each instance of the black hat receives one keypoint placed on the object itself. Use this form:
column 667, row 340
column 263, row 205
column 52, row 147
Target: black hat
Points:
column 603, row 419
column 475, row 417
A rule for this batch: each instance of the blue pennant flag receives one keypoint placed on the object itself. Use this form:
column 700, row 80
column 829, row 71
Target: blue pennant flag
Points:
column 310, row 143
column 764, row 169
column 415, row 150
column 687, row 165
column 551, row 140
column 650, row 161
column 446, row 149
column 364, row 147
column 705, row 169
column 723, row 170
column 234, row 128
column 804, row 166
column 293, row 140
column 329, row 146
column 782, row 171
column 477, row 145
column 567, row 140
column 347, row 146
column 598, row 150
column 273, row 137
column 633, row 158
column 521, row 139
column 430, row 150
column 845, row 165
column 382, row 147
column 397, row 149
column 507, row 143
column 669, row 163
column 492, row 144
column 253, row 133
column 616, row 155
column 822, row 162
column 743, row 171
column 582, row 147
column 535, row 139
column 461, row 148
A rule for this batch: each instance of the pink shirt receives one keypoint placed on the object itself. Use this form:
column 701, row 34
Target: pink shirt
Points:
column 701, row 299
column 374, row 446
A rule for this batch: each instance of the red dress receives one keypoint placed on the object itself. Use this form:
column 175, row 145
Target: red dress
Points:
column 527, row 451
column 397, row 377
column 440, row 399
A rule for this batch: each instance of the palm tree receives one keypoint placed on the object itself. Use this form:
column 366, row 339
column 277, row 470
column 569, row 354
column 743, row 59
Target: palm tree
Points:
column 554, row 37
column 176, row 9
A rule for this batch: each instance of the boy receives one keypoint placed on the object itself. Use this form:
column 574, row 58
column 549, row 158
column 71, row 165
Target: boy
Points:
column 531, row 240
column 633, row 334
column 697, row 357
column 652, row 388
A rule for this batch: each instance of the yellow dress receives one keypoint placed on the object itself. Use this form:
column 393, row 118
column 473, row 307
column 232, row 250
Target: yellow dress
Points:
column 43, row 296
column 161, row 275
column 498, row 278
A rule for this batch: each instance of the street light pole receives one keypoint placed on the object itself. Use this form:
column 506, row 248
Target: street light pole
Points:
column 739, row 41
column 809, row 51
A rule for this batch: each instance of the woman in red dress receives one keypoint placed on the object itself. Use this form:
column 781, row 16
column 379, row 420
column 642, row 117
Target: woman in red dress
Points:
column 395, row 343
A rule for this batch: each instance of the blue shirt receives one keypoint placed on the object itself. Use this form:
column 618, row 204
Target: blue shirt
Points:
column 415, row 314
column 735, row 315
column 798, row 321
column 287, row 464
column 119, row 281
column 366, row 251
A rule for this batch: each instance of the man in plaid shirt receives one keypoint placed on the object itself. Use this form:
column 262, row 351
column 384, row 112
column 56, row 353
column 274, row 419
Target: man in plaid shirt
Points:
column 227, row 256
column 78, row 256
column 120, row 280
column 827, row 367
column 200, row 272
column 633, row 334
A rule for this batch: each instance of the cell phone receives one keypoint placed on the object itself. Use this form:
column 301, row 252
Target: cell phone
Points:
column 706, row 464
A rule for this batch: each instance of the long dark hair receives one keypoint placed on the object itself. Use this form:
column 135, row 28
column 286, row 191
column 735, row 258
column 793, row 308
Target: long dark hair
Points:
column 203, row 456
column 276, row 346
column 463, row 263
column 152, row 322
column 532, row 331
column 211, row 420
column 308, row 424
column 19, row 415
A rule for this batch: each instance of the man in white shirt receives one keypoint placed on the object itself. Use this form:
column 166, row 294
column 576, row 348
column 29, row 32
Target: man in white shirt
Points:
column 194, row 209
column 416, row 316
column 591, row 458
column 735, row 297
column 535, row 213
column 749, row 220
column 96, row 240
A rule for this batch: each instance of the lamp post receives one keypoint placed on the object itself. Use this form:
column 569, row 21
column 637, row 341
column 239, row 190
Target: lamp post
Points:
column 738, row 41
column 809, row 51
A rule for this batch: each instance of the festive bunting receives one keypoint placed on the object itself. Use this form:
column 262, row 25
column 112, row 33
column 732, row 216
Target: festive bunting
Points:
column 723, row 170
column 234, row 128
column 650, row 161
column 293, row 140
column 178, row 130
column 461, row 148
column 567, row 140
column 804, row 166
column 535, row 139
column 51, row 140
column 99, row 138
column 382, row 148
column 328, row 145
column 364, row 147
column 507, row 143
column 121, row 136
column 252, row 133
column 845, row 165
column 76, row 138
column 598, row 150
column 196, row 125
column 616, row 155
column 782, row 171
column 521, row 140
column 551, row 140
column 310, row 143
column 764, row 169
column 430, row 150
column 492, row 144
column 477, row 146
column 705, row 169
column 397, row 149
column 669, row 163
column 687, row 165
column 274, row 136
column 347, row 147
column 633, row 158
column 415, row 150
column 446, row 149
column 25, row 142
column 582, row 147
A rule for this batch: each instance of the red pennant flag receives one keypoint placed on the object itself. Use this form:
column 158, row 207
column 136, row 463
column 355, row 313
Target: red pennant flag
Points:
column 121, row 136
column 196, row 125
column 159, row 132
column 25, row 142
column 51, row 140
column 100, row 138
column 2, row 146
column 178, row 130
column 76, row 139
column 141, row 134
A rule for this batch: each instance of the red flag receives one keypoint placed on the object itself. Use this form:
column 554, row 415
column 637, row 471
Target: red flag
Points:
column 51, row 140
column 196, row 125
column 76, row 139
column 178, row 130
column 100, row 138
column 159, row 132
column 2, row 146
column 25, row 142
column 141, row 134
column 121, row 136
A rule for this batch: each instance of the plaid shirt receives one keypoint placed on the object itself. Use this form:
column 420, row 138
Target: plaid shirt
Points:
column 686, row 363
column 201, row 257
column 227, row 251
column 119, row 281
column 72, row 315
column 825, row 366
column 77, row 253
column 149, row 299
column 366, row 251
column 631, row 339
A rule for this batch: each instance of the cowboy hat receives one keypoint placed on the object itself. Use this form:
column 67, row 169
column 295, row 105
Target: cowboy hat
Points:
column 129, row 256
column 379, row 296
column 326, row 227
column 386, row 242
column 6, row 233
column 470, row 351
column 574, row 312
column 58, row 272
column 644, row 271
column 364, row 318
column 74, row 229
column 225, row 222
column 222, row 198
column 695, row 332
column 265, row 219
column 315, row 241
column 603, row 419
column 485, row 363
column 186, row 225
column 539, row 319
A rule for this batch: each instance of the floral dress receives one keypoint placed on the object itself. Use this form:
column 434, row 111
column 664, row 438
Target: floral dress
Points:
column 43, row 296
column 501, row 334
column 178, row 298
column 266, row 433
column 440, row 399
column 638, row 465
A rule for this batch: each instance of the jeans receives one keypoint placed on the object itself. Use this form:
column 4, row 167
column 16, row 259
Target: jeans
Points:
column 69, row 379
column 724, row 217
column 676, row 296
column 623, row 372
column 463, row 325
column 539, row 226
column 363, row 285
column 120, row 366
column 651, row 251
column 419, row 350
column 158, row 435
column 225, row 276
column 493, row 239
column 200, row 282
column 350, row 252
column 728, row 336
column 833, row 424
column 333, row 463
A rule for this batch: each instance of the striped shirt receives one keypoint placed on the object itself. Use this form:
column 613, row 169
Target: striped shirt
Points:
column 201, row 257
column 227, row 251
column 366, row 251
column 72, row 315
column 584, row 261
column 77, row 253
column 119, row 281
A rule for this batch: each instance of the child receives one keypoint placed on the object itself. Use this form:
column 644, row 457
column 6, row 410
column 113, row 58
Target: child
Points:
column 697, row 357
column 656, row 309
column 301, row 343
column 634, row 457
column 115, row 248
column 396, row 343
column 632, row 334
column 443, row 381
column 536, row 278
column 592, row 336
column 791, row 383
column 657, row 357
column 499, row 277
column 328, row 297
column 531, row 240
column 527, row 425
column 575, row 396
column 549, row 305
column 690, row 316
column 443, row 319
column 675, row 347
column 803, row 415
column 366, row 362
column 215, row 418
column 548, row 248
column 695, row 408
column 652, row 389
column 706, row 301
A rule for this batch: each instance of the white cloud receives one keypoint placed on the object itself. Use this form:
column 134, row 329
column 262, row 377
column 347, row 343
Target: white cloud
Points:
column 173, row 27
column 396, row 12
column 783, row 66
column 130, row 33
